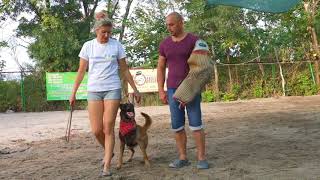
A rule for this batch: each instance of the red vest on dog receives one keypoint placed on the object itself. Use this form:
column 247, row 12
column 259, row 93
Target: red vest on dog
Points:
column 127, row 127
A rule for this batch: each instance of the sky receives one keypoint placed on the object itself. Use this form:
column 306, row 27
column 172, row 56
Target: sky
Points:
column 8, row 31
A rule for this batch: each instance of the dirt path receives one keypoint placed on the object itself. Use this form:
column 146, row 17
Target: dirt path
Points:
column 257, row 139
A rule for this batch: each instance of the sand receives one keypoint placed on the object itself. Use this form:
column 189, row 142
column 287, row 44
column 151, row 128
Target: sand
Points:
column 275, row 138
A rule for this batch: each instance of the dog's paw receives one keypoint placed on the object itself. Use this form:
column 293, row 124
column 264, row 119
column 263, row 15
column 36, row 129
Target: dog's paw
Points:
column 119, row 166
column 147, row 164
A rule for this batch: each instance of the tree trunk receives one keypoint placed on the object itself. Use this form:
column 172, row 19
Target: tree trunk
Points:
column 112, row 8
column 94, row 8
column 123, row 26
column 216, row 78
column 86, row 8
column 316, row 49
column 260, row 65
column 124, row 20
column 311, row 8
column 283, row 82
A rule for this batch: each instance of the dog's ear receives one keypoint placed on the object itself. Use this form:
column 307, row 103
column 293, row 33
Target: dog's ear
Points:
column 122, row 106
column 131, row 106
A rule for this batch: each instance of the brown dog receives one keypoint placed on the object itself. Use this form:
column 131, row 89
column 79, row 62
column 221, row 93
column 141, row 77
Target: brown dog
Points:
column 131, row 134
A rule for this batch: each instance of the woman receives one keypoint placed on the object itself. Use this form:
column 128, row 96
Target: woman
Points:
column 104, row 55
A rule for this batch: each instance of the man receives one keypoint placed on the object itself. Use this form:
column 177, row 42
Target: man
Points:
column 174, row 52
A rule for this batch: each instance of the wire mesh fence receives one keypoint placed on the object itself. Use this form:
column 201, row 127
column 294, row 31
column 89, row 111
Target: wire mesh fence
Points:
column 26, row 91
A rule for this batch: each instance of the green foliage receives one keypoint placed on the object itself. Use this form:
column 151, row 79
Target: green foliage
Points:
column 9, row 96
column 228, row 97
column 3, row 44
column 258, row 90
column 2, row 66
column 147, row 30
column 303, row 85
column 236, row 90
column 208, row 96
column 150, row 99
column 60, row 29
column 35, row 92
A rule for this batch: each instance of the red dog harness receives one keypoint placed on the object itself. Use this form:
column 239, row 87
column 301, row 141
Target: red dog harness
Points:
column 127, row 127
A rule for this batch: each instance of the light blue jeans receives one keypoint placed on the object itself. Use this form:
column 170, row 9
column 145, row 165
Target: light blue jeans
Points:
column 104, row 95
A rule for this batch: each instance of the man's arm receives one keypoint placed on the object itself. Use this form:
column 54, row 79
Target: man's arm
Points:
column 161, row 75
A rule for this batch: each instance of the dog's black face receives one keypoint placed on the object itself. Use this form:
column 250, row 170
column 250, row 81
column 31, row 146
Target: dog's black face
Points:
column 127, row 112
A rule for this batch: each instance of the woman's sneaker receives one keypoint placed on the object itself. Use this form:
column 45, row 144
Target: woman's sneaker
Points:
column 179, row 163
column 203, row 164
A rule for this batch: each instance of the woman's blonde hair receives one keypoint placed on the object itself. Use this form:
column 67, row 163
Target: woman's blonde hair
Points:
column 102, row 22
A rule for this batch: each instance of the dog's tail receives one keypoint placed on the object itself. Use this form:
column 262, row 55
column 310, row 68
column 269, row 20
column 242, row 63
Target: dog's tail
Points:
column 148, row 123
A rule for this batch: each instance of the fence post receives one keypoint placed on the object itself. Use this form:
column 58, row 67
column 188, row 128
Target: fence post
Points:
column 283, row 82
column 312, row 73
column 23, row 98
column 229, row 72
column 273, row 77
column 216, row 78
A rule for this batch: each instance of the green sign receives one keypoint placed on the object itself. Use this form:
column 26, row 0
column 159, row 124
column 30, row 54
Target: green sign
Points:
column 59, row 86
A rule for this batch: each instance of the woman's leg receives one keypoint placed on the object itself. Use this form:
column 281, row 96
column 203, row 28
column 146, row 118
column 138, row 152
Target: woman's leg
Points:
column 109, row 117
column 95, row 108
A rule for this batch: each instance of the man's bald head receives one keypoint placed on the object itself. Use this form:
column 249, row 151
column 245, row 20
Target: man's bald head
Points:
column 176, row 16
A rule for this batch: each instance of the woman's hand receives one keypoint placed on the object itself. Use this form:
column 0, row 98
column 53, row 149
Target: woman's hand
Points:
column 72, row 100
column 137, row 96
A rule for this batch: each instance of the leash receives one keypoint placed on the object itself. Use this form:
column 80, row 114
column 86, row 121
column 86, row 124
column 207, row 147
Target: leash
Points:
column 129, row 96
column 68, row 130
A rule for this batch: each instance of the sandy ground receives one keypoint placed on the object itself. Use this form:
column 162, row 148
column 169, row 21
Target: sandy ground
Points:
column 256, row 139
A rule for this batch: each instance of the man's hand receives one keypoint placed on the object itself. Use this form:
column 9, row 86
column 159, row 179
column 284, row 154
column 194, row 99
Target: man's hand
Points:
column 163, row 97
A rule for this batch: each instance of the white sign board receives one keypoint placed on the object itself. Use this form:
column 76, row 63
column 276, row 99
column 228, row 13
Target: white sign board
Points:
column 145, row 80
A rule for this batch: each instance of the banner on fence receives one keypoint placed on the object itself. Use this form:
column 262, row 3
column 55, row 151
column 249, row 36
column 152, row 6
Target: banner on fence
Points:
column 145, row 80
column 59, row 86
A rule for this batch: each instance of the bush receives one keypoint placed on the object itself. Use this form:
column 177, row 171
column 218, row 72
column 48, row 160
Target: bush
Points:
column 258, row 90
column 236, row 90
column 302, row 85
column 150, row 99
column 9, row 96
column 208, row 96
column 229, row 97
column 35, row 92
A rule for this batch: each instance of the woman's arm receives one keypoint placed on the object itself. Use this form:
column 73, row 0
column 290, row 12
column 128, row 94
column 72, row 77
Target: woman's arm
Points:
column 127, row 75
column 81, row 72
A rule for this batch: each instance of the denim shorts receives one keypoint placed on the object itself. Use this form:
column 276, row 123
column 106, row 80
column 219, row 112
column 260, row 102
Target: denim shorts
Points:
column 178, row 115
column 105, row 95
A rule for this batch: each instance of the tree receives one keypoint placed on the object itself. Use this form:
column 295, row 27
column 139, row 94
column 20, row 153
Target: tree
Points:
column 147, row 29
column 125, row 19
column 311, row 8
column 2, row 66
